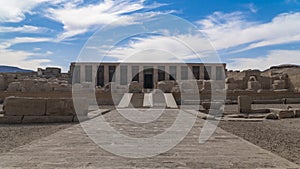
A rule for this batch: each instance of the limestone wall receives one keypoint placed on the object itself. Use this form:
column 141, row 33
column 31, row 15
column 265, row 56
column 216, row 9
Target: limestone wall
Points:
column 42, row 110
column 39, row 85
column 293, row 73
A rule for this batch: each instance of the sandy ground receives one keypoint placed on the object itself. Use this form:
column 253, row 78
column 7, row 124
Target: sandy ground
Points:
column 281, row 137
column 12, row 136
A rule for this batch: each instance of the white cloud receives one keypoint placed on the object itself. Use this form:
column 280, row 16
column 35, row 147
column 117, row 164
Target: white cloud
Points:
column 14, row 10
column 252, row 8
column 78, row 18
column 18, row 40
column 275, row 57
column 164, row 49
column 23, row 29
column 20, row 59
column 232, row 30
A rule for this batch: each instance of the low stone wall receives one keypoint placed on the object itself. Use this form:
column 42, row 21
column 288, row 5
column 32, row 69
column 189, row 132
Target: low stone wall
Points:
column 42, row 110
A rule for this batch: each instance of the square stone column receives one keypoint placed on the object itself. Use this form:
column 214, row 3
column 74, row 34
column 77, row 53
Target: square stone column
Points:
column 118, row 74
column 155, row 75
column 82, row 73
column 213, row 72
column 106, row 74
column 129, row 74
column 178, row 73
column 202, row 72
column 141, row 75
column 167, row 70
column 94, row 74
column 190, row 73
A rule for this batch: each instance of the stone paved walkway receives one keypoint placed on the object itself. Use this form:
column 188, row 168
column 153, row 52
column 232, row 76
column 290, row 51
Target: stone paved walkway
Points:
column 72, row 148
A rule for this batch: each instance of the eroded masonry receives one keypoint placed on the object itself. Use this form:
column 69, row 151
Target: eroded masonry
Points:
column 46, row 95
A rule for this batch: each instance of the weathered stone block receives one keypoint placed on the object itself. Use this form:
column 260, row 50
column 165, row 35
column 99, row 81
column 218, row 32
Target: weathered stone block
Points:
column 244, row 104
column 297, row 112
column 19, row 106
column 65, row 107
column 3, row 83
column 200, row 84
column 63, row 88
column 286, row 114
column 161, row 86
column 254, row 85
column 135, row 87
column 47, row 119
column 212, row 105
column 188, row 87
column 206, row 85
column 169, row 86
column 271, row 116
column 11, row 119
column 279, row 84
column 14, row 87
column 283, row 113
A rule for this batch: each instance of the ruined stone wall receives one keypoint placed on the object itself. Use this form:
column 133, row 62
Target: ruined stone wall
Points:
column 43, row 110
column 293, row 73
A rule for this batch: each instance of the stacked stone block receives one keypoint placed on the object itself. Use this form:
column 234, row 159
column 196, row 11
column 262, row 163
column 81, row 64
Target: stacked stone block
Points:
column 42, row 110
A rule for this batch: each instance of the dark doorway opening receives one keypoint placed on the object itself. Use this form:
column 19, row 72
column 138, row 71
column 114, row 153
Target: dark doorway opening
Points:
column 148, row 78
column 100, row 76
column 148, row 81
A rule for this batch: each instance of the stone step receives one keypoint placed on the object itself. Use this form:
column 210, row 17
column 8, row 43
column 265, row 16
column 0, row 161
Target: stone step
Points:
column 148, row 100
column 125, row 101
column 170, row 101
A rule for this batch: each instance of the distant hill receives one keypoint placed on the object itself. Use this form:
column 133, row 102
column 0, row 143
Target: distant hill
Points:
column 11, row 69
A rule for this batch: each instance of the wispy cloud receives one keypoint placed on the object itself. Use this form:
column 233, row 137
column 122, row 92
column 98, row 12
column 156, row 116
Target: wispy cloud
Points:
column 18, row 40
column 78, row 18
column 252, row 8
column 14, row 10
column 23, row 29
column 233, row 29
column 20, row 58
column 274, row 57
column 161, row 48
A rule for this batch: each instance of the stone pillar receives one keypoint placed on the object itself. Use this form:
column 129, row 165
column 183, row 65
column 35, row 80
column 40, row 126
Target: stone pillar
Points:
column 190, row 73
column 178, row 73
column 213, row 72
column 155, row 76
column 94, row 74
column 244, row 104
column 82, row 73
column 106, row 74
column 129, row 74
column 118, row 74
column 141, row 75
column 167, row 70
column 202, row 72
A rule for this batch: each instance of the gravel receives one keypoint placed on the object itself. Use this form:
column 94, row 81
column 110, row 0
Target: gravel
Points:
column 281, row 137
column 13, row 136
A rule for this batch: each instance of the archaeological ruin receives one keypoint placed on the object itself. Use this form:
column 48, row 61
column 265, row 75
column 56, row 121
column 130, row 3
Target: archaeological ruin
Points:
column 46, row 95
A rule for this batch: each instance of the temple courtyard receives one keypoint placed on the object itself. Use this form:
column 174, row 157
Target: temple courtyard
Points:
column 234, row 144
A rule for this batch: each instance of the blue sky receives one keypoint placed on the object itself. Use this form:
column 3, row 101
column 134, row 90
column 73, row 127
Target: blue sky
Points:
column 246, row 34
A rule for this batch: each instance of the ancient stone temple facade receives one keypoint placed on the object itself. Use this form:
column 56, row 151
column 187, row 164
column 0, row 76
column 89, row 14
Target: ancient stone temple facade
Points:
column 146, row 74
